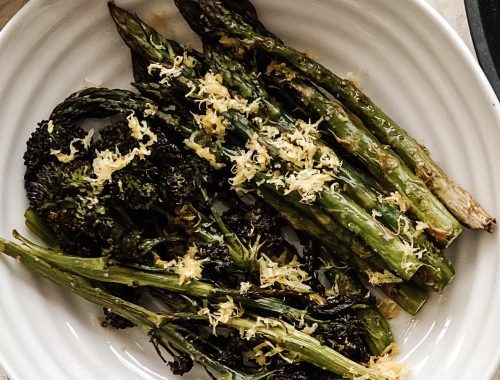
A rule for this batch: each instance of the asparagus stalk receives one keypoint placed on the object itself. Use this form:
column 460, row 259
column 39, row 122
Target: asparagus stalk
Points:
column 457, row 200
column 435, row 275
column 382, row 163
column 146, row 41
column 248, row 13
column 441, row 275
column 281, row 333
column 438, row 276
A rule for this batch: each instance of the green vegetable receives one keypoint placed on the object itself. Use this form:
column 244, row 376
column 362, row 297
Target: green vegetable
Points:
column 438, row 276
column 185, row 195
column 382, row 163
column 163, row 325
column 457, row 200
column 409, row 297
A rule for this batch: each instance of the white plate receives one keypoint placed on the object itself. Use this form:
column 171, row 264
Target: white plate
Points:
column 409, row 61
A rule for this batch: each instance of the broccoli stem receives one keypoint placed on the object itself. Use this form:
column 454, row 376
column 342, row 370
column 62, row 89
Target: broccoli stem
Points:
column 36, row 226
column 103, row 270
column 157, row 325
column 308, row 348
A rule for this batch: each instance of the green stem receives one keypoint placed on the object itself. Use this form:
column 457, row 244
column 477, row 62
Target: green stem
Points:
column 159, row 325
column 308, row 348
column 36, row 226
column 100, row 269
column 409, row 297
column 242, row 256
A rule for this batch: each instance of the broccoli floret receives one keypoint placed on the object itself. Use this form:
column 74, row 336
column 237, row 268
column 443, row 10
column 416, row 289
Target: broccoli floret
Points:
column 181, row 364
column 85, row 224
column 49, row 137
column 258, row 222
column 136, row 186
column 227, row 347
column 343, row 330
column 124, row 217
column 346, row 335
column 219, row 267
column 116, row 136
column 130, row 245
column 182, row 173
column 230, row 349
column 59, row 195
column 301, row 371
column 166, row 179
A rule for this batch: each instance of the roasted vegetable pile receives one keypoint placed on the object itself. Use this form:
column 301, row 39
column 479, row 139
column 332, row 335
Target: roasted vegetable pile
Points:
column 240, row 205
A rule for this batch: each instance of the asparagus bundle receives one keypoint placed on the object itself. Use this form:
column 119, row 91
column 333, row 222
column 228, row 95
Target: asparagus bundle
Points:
column 139, row 47
column 354, row 185
column 459, row 202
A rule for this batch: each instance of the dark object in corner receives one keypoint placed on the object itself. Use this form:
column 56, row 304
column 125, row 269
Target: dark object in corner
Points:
column 484, row 22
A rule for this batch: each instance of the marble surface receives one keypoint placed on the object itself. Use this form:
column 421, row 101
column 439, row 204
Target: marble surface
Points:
column 452, row 10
